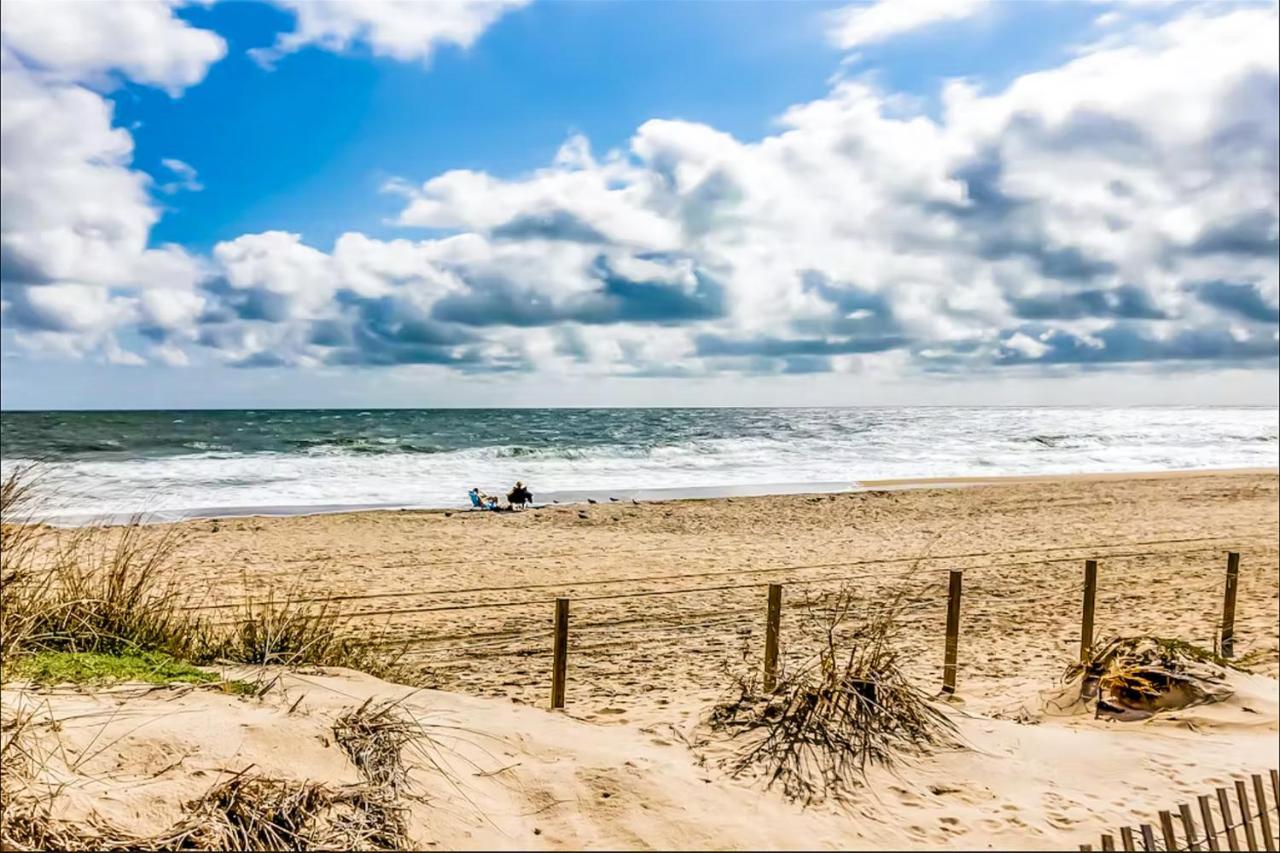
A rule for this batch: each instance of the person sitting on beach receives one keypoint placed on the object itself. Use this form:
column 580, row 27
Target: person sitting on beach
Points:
column 519, row 495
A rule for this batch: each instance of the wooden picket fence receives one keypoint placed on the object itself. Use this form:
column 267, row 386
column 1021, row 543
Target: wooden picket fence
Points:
column 1248, row 822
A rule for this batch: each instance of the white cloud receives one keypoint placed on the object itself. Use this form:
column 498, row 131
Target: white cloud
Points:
column 76, row 216
column 185, row 177
column 404, row 30
column 869, row 23
column 1118, row 208
column 89, row 41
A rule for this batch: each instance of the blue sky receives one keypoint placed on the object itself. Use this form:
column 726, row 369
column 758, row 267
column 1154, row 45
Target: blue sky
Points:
column 364, row 203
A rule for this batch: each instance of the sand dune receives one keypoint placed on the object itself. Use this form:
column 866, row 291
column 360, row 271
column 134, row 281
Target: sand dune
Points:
column 514, row 777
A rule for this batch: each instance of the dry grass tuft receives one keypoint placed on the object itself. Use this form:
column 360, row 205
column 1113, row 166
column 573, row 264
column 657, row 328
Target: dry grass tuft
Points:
column 285, row 632
column 844, row 709
column 374, row 737
column 110, row 589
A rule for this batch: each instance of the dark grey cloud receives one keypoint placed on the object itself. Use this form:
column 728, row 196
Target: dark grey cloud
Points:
column 552, row 225
column 855, row 312
column 225, row 303
column 1004, row 226
column 1244, row 300
column 1124, row 302
column 1127, row 343
column 711, row 345
column 495, row 301
column 801, row 364
column 1254, row 234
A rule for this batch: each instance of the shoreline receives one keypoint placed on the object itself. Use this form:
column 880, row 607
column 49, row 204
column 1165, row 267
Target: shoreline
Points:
column 649, row 496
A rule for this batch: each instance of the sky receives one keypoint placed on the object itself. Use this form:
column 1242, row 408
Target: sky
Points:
column 546, row 202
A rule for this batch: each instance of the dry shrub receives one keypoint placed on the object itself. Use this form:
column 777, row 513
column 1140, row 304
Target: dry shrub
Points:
column 846, row 708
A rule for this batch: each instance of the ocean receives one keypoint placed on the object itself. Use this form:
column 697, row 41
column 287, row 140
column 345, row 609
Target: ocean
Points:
column 180, row 463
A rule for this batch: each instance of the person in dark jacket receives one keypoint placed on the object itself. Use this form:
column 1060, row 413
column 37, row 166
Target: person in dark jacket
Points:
column 519, row 496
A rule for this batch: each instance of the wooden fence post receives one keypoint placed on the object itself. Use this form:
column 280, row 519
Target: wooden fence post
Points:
column 1188, row 826
column 1086, row 621
column 1246, row 816
column 559, row 653
column 1126, row 838
column 1264, row 816
column 1228, row 824
column 953, row 634
column 1166, row 829
column 1148, row 837
column 1227, row 644
column 772, row 621
column 1206, row 816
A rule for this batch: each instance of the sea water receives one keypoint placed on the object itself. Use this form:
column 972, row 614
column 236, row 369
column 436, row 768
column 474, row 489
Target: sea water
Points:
column 176, row 463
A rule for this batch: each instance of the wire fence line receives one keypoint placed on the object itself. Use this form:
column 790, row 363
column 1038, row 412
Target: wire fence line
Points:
column 1095, row 549
column 346, row 616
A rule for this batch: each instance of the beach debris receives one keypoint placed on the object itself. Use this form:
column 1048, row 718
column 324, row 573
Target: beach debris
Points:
column 583, row 514
column 827, row 721
column 1135, row 678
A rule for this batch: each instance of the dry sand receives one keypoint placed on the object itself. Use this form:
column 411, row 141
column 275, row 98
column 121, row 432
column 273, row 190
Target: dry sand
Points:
column 668, row 602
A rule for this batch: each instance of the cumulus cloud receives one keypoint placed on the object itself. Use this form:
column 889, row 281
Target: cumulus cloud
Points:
column 867, row 23
column 89, row 42
column 1118, row 209
column 404, row 30
column 75, row 257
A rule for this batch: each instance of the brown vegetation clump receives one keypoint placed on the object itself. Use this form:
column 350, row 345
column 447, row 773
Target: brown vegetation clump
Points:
column 846, row 708
column 1133, row 678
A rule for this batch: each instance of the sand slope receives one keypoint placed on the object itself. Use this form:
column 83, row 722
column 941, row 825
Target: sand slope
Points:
column 524, row 778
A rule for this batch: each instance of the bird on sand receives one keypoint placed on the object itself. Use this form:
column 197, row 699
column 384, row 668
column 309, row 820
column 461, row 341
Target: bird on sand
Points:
column 592, row 501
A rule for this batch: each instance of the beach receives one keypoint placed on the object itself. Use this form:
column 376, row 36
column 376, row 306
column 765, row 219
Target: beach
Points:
column 667, row 605
column 666, row 594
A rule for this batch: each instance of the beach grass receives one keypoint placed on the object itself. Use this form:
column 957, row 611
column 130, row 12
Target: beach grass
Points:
column 98, row 668
column 101, row 600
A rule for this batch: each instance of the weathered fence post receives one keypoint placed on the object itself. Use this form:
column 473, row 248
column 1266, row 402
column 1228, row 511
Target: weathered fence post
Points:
column 1188, row 826
column 1206, row 815
column 559, row 653
column 1086, row 621
column 1264, row 817
column 953, row 634
column 1166, row 829
column 1227, row 644
column 1126, row 838
column 1246, row 815
column 772, row 620
column 1228, row 823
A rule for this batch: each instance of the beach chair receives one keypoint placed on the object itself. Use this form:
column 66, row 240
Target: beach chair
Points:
column 476, row 502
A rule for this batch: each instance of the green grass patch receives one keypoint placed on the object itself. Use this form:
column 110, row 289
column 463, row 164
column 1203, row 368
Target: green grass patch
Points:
column 51, row 667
